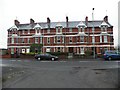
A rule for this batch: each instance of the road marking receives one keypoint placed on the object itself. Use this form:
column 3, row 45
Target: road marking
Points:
column 3, row 65
column 61, row 61
column 117, row 61
column 53, row 61
column 13, row 60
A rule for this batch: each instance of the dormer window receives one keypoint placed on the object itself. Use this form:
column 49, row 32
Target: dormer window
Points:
column 37, row 31
column 37, row 28
column 58, row 28
column 81, row 29
column 48, row 31
column 14, row 28
column 104, row 26
column 81, row 26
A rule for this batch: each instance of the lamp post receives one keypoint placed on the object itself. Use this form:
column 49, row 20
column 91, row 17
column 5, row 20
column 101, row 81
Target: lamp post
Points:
column 93, row 29
column 43, row 41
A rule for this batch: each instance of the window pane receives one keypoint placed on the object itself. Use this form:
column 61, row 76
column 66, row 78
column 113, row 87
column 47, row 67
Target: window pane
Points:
column 105, row 39
column 36, row 40
column 81, row 38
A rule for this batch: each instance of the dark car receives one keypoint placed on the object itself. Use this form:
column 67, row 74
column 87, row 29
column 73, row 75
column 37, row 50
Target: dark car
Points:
column 110, row 55
column 45, row 57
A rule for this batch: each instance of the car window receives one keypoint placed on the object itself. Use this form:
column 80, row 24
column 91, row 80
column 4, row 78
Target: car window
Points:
column 111, row 52
column 118, row 52
column 47, row 54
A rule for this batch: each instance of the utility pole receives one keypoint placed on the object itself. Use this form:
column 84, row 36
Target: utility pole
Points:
column 93, row 29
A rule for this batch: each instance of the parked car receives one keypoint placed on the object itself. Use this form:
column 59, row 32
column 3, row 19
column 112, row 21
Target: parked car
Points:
column 45, row 57
column 110, row 55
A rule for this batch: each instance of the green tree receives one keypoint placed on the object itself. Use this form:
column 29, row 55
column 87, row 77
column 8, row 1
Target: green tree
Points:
column 36, row 48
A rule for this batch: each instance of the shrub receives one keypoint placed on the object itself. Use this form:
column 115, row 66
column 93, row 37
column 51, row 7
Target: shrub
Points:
column 35, row 46
column 58, row 53
column 88, row 53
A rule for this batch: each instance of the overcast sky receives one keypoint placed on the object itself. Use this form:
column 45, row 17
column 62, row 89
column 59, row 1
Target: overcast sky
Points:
column 56, row 10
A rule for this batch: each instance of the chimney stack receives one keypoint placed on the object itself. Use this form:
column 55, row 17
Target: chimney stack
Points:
column 86, row 20
column 48, row 22
column 16, row 22
column 67, row 21
column 32, row 21
column 106, row 18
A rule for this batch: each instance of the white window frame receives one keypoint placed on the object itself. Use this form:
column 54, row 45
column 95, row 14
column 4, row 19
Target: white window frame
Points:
column 105, row 39
column 101, row 29
column 37, row 30
column 28, row 40
column 23, row 40
column 100, row 39
column 23, row 50
column 54, row 39
column 12, row 50
column 79, row 29
column 28, row 31
column 82, row 39
column 60, row 29
column 12, row 40
column 27, row 50
column 48, row 40
column 63, row 39
column 36, row 39
column 40, row 40
column 58, row 39
column 70, row 39
column 19, row 33
column 78, row 50
column 23, row 31
column 82, row 51
column 56, row 29
column 83, row 29
column 16, row 41
column 48, row 30
column 70, row 30
column 48, row 49
column 93, row 39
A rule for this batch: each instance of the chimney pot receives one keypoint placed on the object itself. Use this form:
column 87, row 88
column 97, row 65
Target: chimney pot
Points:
column 86, row 20
column 67, row 21
column 106, row 18
column 48, row 22
column 32, row 21
column 16, row 22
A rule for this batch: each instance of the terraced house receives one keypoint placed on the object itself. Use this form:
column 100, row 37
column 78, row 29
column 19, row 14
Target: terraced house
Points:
column 69, row 36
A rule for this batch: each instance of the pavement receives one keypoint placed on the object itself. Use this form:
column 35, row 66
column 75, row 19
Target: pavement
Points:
column 68, row 59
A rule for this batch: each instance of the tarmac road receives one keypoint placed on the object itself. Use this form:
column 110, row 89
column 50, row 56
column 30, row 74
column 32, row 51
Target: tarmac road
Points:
column 60, row 74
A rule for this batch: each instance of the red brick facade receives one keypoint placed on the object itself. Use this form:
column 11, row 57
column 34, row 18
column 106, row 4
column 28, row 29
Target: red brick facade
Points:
column 70, row 36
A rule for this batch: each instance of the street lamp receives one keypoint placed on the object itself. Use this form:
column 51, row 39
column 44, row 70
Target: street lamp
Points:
column 93, row 29
column 43, row 41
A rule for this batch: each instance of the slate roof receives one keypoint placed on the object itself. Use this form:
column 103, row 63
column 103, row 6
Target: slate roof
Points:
column 71, row 24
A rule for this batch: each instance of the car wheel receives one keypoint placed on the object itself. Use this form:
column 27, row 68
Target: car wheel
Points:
column 53, row 59
column 39, row 58
column 109, row 58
